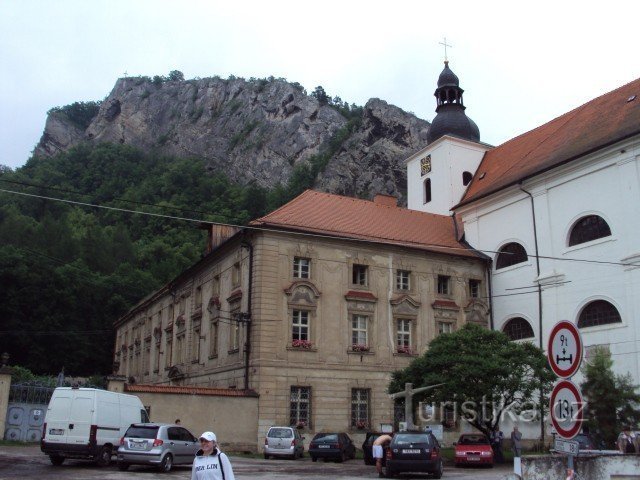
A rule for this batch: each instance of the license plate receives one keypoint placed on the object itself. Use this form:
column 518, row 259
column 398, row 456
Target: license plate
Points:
column 138, row 445
column 413, row 450
column 473, row 459
column 324, row 446
column 56, row 431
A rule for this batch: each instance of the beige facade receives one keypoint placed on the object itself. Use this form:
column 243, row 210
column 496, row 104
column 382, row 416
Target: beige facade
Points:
column 330, row 319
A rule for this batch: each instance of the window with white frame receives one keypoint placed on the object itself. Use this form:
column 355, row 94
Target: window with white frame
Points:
column 403, row 334
column 403, row 280
column 300, row 325
column 474, row 288
column 359, row 330
column 360, row 275
column 445, row 327
column 444, row 285
column 300, row 406
column 360, row 407
column 301, row 267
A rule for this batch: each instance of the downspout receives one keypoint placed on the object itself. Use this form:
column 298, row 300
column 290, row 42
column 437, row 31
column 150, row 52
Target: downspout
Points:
column 535, row 239
column 247, row 317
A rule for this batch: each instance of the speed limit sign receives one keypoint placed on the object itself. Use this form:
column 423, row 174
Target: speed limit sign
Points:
column 566, row 407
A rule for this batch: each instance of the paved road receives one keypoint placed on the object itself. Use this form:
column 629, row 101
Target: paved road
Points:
column 21, row 463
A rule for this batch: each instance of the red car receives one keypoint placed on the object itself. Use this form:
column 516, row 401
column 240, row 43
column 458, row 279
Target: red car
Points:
column 473, row 449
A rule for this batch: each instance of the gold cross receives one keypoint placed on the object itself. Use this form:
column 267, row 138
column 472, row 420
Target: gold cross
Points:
column 445, row 48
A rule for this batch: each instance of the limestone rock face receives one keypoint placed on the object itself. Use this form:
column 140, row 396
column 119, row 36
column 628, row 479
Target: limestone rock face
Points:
column 256, row 130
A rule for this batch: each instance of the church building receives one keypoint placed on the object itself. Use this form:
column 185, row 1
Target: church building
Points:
column 555, row 209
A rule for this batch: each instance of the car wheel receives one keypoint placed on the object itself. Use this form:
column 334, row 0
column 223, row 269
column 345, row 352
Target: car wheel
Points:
column 104, row 457
column 56, row 460
column 342, row 457
column 123, row 467
column 314, row 459
column 388, row 473
column 438, row 473
column 167, row 463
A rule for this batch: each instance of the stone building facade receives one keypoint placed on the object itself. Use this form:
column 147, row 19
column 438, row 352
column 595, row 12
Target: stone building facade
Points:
column 312, row 307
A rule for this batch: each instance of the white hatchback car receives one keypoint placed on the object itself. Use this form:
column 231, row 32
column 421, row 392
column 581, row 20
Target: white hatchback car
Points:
column 283, row 442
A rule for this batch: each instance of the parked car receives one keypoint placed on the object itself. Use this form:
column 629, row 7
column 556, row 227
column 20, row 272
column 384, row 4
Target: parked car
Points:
column 587, row 442
column 159, row 444
column 414, row 452
column 473, row 449
column 367, row 448
column 336, row 446
column 283, row 442
column 87, row 423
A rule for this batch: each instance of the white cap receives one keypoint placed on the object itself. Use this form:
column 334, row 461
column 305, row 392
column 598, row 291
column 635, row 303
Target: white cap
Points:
column 209, row 436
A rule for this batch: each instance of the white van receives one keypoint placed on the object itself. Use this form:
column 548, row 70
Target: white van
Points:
column 88, row 423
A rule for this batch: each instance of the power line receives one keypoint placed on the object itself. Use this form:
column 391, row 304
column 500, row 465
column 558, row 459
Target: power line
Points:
column 316, row 235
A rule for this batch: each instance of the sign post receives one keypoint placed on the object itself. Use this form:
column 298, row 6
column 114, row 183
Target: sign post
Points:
column 564, row 352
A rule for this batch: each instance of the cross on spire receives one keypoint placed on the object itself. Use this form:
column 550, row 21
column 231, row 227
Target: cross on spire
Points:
column 445, row 48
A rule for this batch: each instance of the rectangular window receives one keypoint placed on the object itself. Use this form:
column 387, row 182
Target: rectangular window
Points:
column 301, row 267
column 402, row 280
column 183, row 304
column 359, row 276
column 359, row 334
column 403, row 334
column 213, row 339
column 445, row 327
column 235, row 275
column 195, row 352
column 300, row 325
column 360, row 408
column 168, row 350
column 198, row 298
column 235, row 336
column 179, row 349
column 215, row 286
column 300, row 406
column 474, row 288
column 443, row 285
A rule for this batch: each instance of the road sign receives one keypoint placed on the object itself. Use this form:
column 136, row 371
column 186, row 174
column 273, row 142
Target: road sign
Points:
column 566, row 446
column 564, row 350
column 566, row 408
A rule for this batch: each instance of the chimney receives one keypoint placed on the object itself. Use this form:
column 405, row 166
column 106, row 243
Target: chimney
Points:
column 218, row 234
column 388, row 200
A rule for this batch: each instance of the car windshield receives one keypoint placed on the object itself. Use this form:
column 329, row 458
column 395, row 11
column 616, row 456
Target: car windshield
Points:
column 473, row 440
column 326, row 437
column 281, row 433
column 409, row 438
column 141, row 432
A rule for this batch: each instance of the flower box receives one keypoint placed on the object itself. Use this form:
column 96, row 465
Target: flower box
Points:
column 305, row 344
column 405, row 350
column 361, row 425
column 358, row 347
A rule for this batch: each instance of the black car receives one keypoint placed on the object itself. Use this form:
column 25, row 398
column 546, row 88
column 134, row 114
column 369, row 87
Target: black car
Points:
column 336, row 446
column 367, row 448
column 415, row 452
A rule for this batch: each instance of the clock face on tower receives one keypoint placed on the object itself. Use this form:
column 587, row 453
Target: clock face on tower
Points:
column 425, row 165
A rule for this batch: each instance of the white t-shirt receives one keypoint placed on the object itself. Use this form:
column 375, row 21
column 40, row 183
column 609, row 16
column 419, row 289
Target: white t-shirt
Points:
column 207, row 467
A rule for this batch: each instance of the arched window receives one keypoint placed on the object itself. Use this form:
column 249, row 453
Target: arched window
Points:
column 466, row 178
column 589, row 228
column 599, row 312
column 518, row 328
column 511, row 254
column 427, row 190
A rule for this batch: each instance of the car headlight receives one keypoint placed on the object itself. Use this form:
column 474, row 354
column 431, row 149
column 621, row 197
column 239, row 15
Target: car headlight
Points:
column 460, row 454
column 486, row 454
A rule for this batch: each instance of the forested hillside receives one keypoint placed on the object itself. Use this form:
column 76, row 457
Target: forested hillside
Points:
column 69, row 268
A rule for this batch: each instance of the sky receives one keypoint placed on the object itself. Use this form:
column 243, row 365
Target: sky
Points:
column 520, row 64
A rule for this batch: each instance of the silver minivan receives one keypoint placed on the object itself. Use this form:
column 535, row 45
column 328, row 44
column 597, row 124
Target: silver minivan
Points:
column 158, row 444
column 283, row 442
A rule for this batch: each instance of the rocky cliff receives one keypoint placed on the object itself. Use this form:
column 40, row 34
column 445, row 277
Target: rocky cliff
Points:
column 256, row 130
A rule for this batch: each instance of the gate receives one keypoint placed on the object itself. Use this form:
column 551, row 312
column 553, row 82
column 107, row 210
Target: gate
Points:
column 25, row 414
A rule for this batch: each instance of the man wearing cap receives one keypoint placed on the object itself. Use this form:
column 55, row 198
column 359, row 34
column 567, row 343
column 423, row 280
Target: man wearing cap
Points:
column 210, row 463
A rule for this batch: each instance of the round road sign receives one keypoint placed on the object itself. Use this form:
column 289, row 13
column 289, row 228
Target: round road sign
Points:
column 564, row 350
column 566, row 407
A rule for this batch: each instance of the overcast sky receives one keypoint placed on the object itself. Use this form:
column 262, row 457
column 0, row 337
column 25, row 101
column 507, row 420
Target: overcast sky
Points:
column 520, row 64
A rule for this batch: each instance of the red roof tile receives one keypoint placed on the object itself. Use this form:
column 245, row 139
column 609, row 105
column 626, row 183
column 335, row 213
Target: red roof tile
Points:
column 346, row 217
column 596, row 124
column 219, row 392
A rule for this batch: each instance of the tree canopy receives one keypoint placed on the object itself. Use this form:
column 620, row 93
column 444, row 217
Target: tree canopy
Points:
column 612, row 400
column 485, row 375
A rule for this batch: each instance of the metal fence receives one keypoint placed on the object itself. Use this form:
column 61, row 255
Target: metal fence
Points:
column 30, row 394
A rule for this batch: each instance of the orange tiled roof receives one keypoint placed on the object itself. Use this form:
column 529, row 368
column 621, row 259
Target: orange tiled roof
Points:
column 346, row 217
column 603, row 121
column 219, row 392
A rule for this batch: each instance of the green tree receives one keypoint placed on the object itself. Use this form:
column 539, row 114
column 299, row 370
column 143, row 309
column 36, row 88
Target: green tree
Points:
column 484, row 375
column 612, row 401
column 176, row 75
column 320, row 95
